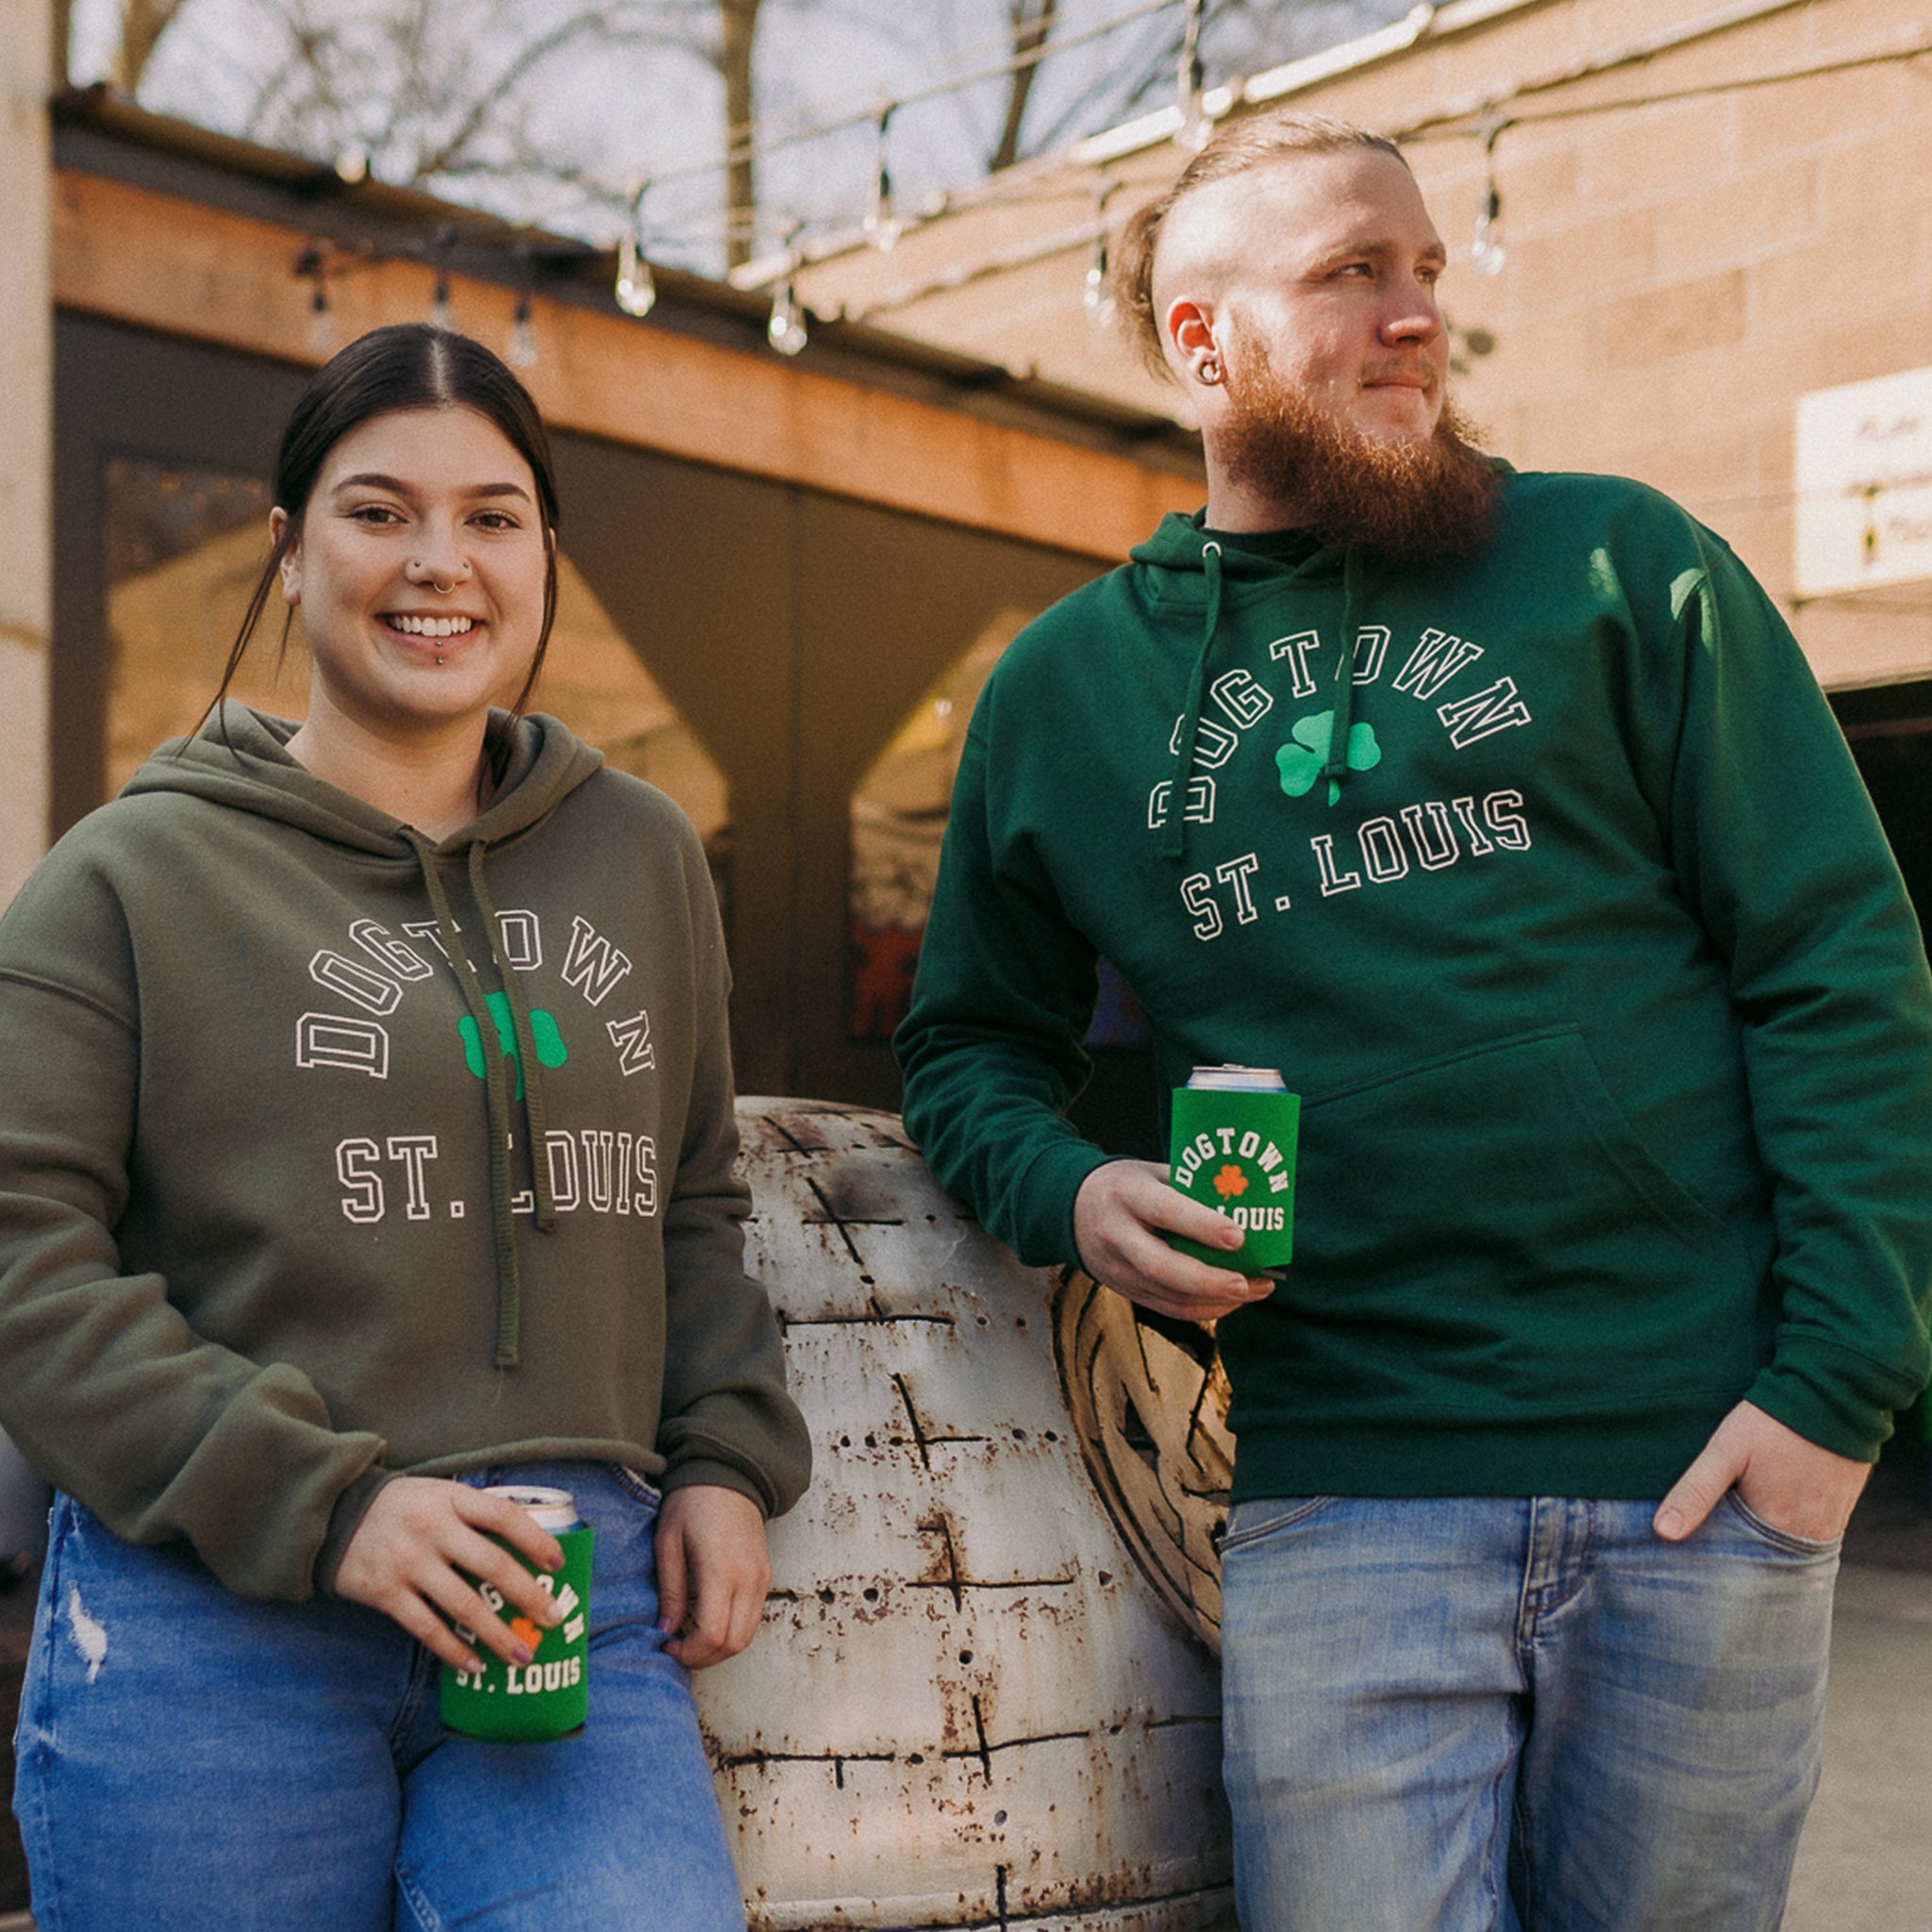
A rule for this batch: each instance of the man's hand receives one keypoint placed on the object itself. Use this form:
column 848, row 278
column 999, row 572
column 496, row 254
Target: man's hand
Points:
column 713, row 1571
column 1791, row 1483
column 417, row 1547
column 1118, row 1216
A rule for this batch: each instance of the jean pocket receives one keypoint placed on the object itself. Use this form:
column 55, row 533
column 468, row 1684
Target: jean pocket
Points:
column 1787, row 1540
column 639, row 1488
column 1262, row 1516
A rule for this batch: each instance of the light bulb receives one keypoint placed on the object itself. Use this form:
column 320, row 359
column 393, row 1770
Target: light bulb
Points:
column 880, row 228
column 787, row 326
column 321, row 325
column 637, row 288
column 1486, row 253
column 521, row 353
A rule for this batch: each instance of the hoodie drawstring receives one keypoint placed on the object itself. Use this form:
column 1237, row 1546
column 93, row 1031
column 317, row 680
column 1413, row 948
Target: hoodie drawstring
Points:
column 495, row 1086
column 1335, row 771
column 535, row 1117
column 1173, row 825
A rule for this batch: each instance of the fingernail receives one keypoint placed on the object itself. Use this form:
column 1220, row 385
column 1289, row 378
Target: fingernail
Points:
column 554, row 1563
column 523, row 1653
column 1670, row 1524
column 664, row 1626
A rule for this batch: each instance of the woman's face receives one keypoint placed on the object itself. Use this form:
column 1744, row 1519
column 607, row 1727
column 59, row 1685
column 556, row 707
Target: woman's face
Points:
column 419, row 566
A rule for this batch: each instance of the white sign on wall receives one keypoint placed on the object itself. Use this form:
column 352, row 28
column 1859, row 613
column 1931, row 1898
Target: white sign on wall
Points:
column 1865, row 484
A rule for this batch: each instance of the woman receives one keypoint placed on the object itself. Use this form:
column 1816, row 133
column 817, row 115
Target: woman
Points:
column 283, row 1289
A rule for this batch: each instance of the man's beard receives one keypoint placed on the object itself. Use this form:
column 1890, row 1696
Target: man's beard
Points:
column 1425, row 497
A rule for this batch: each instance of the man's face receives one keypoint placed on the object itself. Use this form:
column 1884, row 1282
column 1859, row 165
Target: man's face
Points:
column 1332, row 271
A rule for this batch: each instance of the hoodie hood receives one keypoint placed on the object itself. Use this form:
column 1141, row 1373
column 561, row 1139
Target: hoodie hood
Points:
column 1235, row 569
column 239, row 759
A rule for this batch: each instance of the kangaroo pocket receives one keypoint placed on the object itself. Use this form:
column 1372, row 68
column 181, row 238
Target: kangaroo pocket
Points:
column 1488, row 1233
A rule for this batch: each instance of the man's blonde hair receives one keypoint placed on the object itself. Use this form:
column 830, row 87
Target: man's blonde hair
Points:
column 1254, row 142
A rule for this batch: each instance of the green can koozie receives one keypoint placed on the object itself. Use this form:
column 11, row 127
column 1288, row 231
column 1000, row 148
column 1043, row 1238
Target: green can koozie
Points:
column 1232, row 1149
column 549, row 1696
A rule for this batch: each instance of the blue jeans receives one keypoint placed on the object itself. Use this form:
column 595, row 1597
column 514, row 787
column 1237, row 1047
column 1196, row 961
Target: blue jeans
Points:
column 189, row 1758
column 1464, row 1714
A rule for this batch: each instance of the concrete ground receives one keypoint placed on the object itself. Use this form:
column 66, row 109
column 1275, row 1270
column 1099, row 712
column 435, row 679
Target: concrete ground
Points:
column 1865, row 1861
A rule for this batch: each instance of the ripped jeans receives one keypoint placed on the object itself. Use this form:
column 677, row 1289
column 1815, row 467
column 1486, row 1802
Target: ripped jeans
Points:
column 191, row 1760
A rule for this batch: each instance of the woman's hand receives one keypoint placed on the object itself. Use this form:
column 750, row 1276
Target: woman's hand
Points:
column 712, row 1572
column 416, row 1550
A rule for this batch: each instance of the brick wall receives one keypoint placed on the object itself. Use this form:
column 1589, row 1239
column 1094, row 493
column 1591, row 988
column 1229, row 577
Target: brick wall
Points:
column 1678, row 273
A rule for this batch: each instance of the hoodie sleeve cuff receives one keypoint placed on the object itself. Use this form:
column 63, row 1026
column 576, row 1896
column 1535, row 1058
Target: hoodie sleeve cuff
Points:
column 345, row 1520
column 1050, row 1187
column 691, row 1473
column 1834, row 1397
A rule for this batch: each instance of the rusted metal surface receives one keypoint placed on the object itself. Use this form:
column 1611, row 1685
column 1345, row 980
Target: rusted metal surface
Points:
column 972, row 1702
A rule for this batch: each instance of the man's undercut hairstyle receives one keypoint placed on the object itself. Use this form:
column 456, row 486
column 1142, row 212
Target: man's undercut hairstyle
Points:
column 1256, row 141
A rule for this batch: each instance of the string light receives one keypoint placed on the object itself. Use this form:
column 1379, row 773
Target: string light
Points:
column 637, row 288
column 1190, row 82
column 1098, row 298
column 741, row 147
column 521, row 353
column 440, row 244
column 1486, row 253
column 322, row 323
column 786, row 330
column 881, row 227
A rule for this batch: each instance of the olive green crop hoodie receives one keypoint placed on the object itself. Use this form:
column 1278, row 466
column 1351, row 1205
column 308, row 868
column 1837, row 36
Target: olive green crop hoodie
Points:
column 272, row 1068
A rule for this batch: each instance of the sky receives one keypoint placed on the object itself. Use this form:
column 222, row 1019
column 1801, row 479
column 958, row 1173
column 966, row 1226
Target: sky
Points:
column 617, row 112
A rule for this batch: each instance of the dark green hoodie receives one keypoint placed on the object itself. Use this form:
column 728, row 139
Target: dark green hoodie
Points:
column 270, row 1069
column 1546, row 878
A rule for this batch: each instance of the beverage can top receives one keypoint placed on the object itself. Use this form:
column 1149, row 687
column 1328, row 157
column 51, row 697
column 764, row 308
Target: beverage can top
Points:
column 552, row 1510
column 1237, row 1080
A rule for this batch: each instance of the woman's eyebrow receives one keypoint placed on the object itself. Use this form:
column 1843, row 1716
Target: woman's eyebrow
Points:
column 374, row 479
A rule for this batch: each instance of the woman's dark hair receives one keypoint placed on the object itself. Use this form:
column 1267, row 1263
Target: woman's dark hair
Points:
column 411, row 365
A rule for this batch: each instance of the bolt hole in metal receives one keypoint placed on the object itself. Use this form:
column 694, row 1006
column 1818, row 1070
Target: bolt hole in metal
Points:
column 1105, row 1542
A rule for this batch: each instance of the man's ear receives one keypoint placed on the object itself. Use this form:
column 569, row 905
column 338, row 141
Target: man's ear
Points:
column 1188, row 330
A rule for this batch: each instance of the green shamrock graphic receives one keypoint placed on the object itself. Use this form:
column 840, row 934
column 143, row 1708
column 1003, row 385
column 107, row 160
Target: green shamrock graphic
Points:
column 1301, row 763
column 549, row 1041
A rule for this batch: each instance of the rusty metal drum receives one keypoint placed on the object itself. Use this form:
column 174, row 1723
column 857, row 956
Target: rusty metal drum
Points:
column 986, row 1691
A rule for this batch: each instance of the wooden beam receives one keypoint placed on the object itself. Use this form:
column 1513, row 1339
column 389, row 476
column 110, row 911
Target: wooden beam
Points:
column 176, row 266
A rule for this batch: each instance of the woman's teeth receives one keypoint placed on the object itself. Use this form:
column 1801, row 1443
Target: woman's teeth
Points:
column 432, row 626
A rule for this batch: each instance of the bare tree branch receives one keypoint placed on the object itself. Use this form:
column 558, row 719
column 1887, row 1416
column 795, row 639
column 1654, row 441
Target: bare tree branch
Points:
column 739, row 23
column 1032, row 21
column 143, row 23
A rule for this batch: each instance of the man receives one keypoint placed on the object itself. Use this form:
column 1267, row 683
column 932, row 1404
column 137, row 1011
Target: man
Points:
column 1502, row 814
